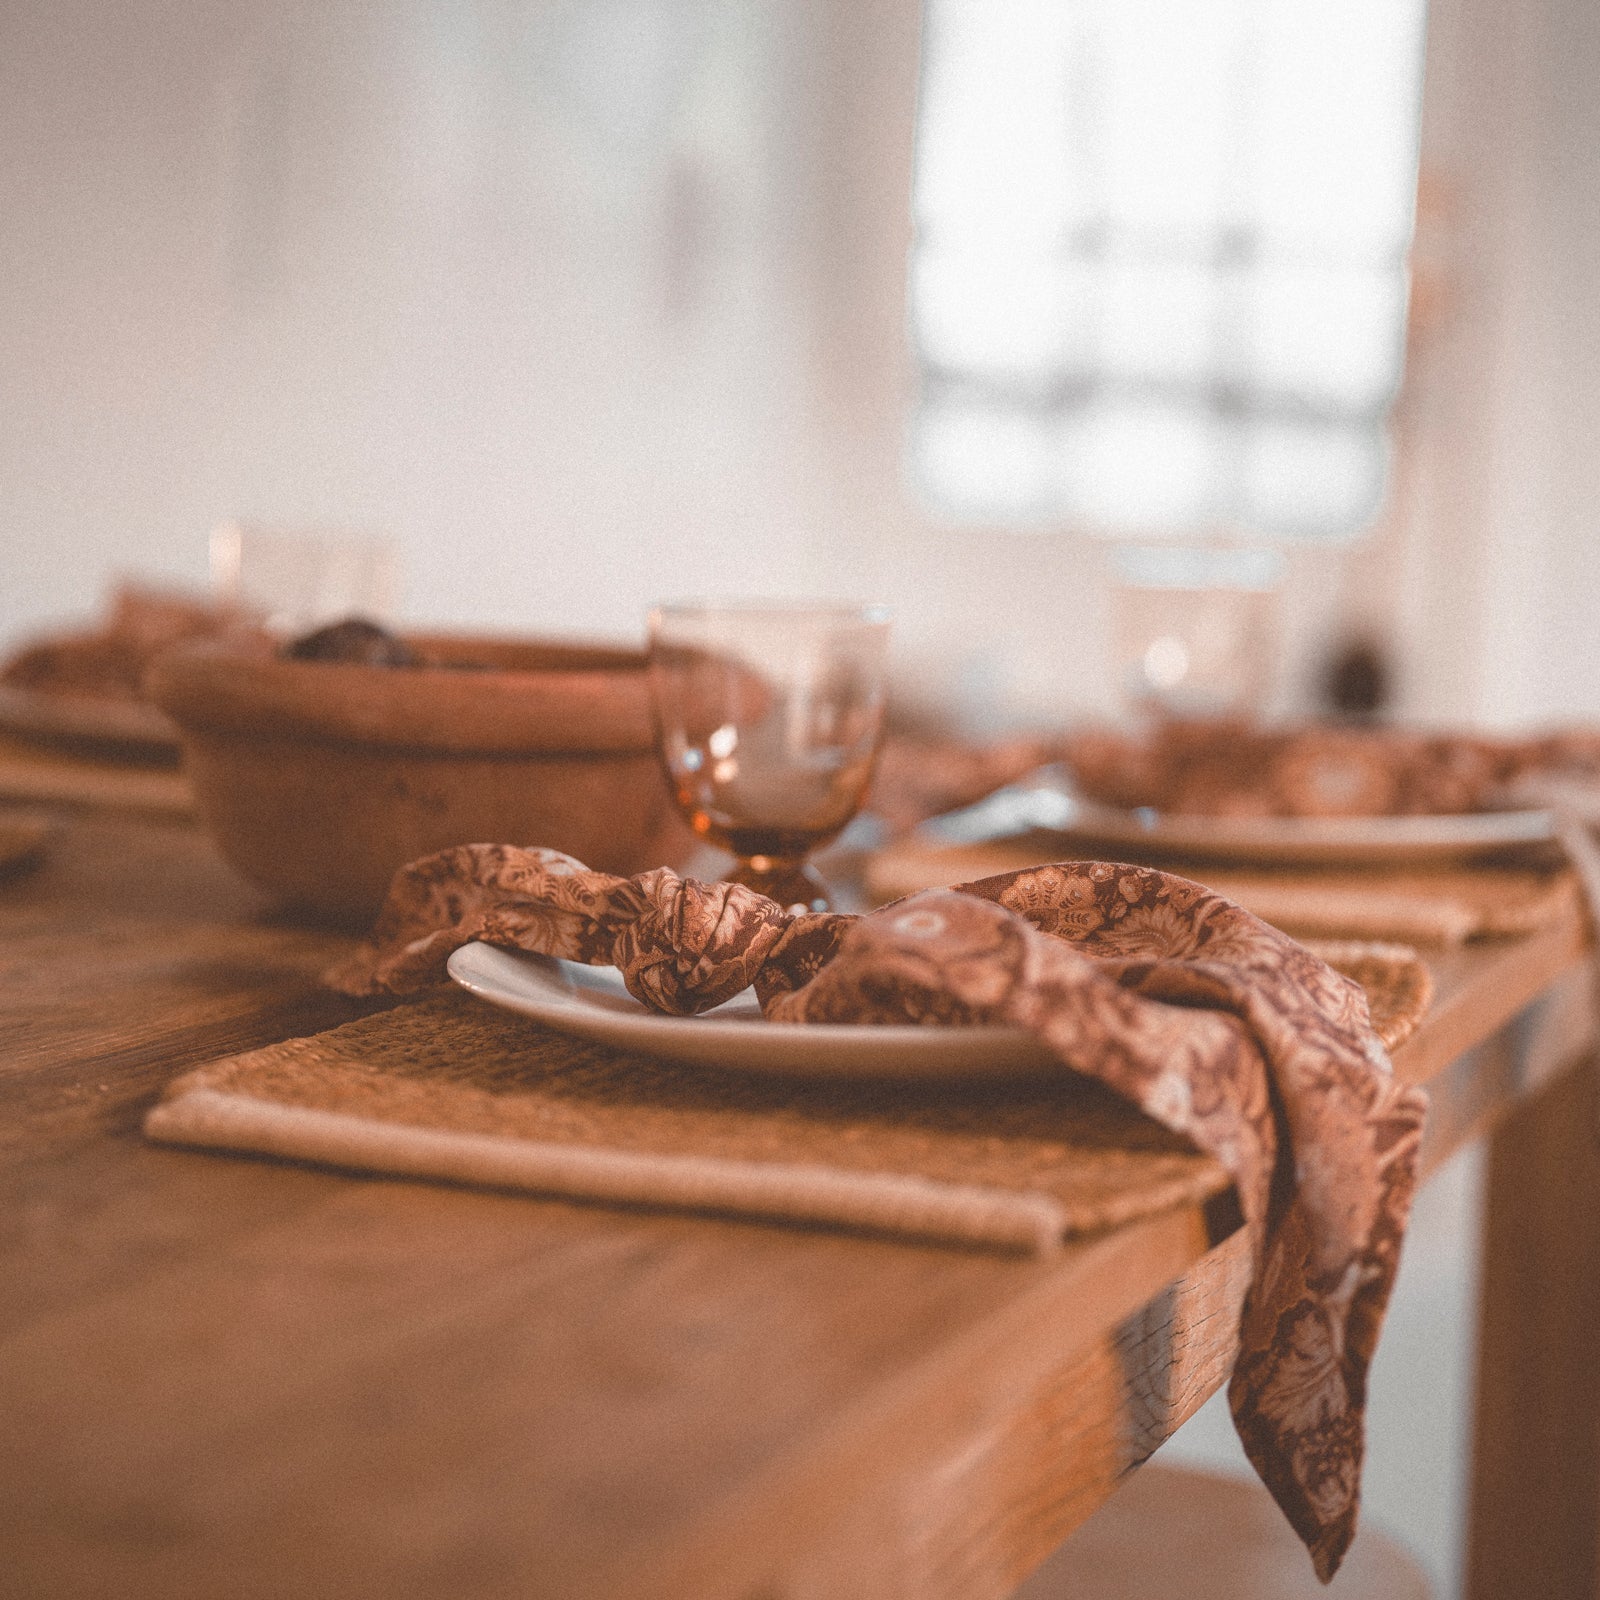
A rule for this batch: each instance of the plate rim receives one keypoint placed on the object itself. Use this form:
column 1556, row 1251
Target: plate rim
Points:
column 1354, row 839
column 705, row 1026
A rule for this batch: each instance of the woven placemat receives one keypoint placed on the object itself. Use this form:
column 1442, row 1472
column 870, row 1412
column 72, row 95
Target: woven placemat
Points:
column 1399, row 983
column 449, row 1088
column 1444, row 905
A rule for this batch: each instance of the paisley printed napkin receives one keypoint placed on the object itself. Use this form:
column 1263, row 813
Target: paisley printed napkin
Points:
column 1214, row 1024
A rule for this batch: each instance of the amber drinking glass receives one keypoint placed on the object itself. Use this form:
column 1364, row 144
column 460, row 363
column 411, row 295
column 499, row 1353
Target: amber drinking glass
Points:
column 768, row 719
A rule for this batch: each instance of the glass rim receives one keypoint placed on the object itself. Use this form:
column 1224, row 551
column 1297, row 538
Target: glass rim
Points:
column 872, row 613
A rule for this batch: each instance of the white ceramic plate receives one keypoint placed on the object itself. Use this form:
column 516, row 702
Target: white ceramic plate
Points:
column 1307, row 841
column 591, row 1003
column 1289, row 841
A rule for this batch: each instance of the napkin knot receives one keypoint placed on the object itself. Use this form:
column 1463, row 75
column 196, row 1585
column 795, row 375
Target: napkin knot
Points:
column 689, row 946
column 682, row 946
column 938, row 957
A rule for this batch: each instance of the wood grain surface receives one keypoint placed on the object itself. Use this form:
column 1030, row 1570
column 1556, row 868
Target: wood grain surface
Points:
column 1535, row 1509
column 238, row 1378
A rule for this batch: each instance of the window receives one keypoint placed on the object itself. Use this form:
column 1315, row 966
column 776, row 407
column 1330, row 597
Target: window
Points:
column 1159, row 281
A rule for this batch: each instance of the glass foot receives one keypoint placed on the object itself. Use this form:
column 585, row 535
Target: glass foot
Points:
column 793, row 884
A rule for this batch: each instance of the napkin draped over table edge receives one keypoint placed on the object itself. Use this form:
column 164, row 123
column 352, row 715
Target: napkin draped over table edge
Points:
column 1213, row 1023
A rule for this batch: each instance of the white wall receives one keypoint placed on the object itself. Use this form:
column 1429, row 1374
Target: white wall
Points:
column 511, row 282
column 1501, row 575
column 583, row 302
column 591, row 301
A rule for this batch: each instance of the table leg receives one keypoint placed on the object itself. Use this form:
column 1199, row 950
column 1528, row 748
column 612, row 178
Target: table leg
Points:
column 1535, row 1495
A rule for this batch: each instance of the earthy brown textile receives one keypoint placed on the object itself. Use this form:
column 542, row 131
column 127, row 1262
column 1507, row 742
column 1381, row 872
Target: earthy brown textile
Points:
column 1235, row 769
column 1444, row 904
column 109, row 660
column 1216, row 1025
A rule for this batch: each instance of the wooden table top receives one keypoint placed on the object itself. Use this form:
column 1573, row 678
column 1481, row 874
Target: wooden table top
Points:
column 232, row 1377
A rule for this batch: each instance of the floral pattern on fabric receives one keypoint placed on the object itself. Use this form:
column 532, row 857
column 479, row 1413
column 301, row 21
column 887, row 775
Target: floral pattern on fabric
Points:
column 682, row 946
column 1213, row 1023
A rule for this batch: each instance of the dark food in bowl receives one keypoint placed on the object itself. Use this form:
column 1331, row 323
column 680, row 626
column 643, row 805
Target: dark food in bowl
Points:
column 354, row 640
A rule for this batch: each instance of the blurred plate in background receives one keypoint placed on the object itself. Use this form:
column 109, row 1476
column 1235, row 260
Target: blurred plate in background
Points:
column 1058, row 822
column 103, row 726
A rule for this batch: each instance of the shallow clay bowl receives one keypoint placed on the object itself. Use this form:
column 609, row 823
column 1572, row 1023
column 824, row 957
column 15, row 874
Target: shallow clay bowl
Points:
column 317, row 780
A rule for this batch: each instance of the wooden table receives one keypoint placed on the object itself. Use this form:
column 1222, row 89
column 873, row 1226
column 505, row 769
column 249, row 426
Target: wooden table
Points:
column 227, row 1378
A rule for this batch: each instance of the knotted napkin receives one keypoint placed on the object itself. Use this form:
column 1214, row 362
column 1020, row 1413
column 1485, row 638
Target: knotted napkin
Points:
column 1213, row 1023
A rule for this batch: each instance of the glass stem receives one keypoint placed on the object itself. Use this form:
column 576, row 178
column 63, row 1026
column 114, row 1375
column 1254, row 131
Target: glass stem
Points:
column 791, row 883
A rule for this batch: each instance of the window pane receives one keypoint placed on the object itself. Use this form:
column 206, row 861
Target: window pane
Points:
column 1159, row 280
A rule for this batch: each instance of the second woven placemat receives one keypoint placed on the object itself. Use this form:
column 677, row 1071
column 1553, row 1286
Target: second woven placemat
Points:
column 1439, row 905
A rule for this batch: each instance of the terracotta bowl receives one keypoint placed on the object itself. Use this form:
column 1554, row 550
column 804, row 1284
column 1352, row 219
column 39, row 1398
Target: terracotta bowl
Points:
column 318, row 780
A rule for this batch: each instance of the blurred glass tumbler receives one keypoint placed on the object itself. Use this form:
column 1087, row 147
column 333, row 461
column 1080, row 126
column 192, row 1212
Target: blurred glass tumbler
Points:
column 1195, row 628
column 296, row 579
column 768, row 719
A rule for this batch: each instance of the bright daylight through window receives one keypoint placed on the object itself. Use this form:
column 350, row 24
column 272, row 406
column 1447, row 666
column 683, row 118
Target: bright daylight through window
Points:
column 1159, row 285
